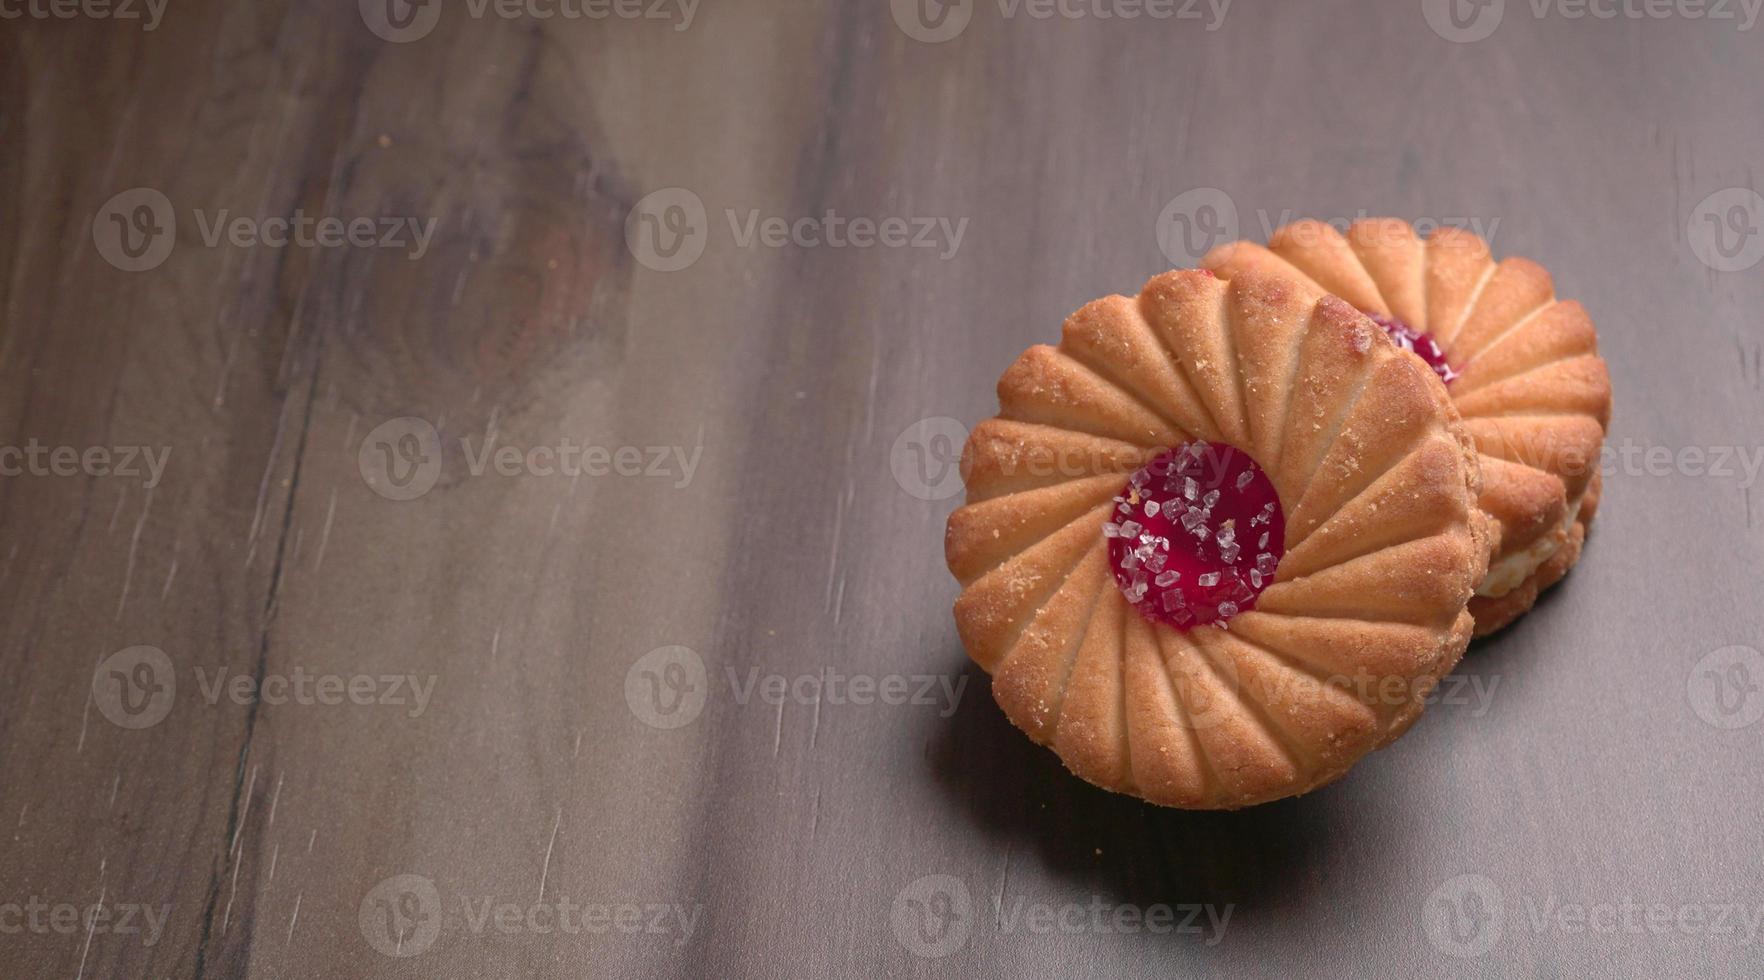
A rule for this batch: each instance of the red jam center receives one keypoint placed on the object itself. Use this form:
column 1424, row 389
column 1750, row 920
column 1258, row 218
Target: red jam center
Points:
column 1196, row 535
column 1410, row 339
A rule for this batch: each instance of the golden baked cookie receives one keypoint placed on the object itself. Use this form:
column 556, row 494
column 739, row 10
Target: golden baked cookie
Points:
column 1217, row 544
column 1522, row 367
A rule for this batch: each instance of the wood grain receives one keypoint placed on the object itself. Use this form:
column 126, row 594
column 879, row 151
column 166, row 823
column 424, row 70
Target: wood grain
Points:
column 793, row 834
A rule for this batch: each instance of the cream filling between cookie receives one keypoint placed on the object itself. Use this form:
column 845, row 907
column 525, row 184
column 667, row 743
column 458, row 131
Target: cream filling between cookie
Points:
column 1510, row 572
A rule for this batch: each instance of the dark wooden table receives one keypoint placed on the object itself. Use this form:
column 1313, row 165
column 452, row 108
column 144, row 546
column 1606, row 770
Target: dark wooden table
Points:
column 551, row 584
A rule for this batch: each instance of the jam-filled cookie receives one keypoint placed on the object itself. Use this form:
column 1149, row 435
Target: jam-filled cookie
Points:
column 1522, row 367
column 1217, row 544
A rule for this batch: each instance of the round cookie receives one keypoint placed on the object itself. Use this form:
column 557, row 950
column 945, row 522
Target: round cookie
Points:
column 1522, row 368
column 1218, row 544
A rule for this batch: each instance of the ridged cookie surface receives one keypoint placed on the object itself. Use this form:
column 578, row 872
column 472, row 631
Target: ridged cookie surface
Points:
column 1532, row 390
column 1367, row 609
